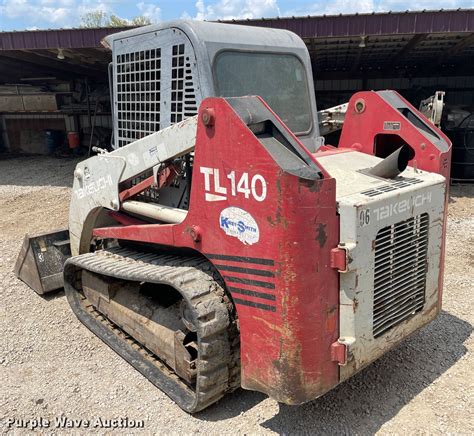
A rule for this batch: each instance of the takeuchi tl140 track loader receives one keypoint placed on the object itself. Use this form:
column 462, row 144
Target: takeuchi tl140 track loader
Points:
column 223, row 244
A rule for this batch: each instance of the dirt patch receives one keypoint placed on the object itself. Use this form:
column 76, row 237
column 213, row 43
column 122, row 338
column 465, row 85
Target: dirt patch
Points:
column 51, row 366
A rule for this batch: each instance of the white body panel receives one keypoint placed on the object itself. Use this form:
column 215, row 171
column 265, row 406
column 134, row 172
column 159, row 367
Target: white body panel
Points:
column 391, row 286
column 96, row 180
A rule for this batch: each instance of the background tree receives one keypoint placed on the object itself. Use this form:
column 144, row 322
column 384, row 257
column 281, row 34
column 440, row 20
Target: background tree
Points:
column 100, row 18
column 97, row 18
column 115, row 21
column 141, row 21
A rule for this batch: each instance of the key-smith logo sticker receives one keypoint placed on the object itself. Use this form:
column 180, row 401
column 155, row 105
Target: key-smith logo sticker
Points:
column 240, row 224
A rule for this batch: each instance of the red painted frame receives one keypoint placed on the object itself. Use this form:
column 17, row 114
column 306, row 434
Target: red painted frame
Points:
column 285, row 291
column 286, row 294
column 361, row 128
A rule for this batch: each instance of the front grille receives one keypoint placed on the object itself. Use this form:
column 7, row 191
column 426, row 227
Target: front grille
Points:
column 400, row 272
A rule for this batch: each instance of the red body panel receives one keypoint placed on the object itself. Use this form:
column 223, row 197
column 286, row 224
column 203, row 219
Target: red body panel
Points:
column 285, row 292
column 361, row 128
column 281, row 280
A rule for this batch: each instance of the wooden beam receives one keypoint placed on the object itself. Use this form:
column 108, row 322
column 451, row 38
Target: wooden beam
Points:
column 77, row 56
column 30, row 60
column 459, row 69
column 407, row 48
column 457, row 48
column 13, row 69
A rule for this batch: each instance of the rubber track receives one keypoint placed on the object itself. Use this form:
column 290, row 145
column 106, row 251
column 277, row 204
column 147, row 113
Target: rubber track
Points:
column 218, row 364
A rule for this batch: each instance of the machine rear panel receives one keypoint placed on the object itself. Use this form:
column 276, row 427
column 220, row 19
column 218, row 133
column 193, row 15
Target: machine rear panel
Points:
column 391, row 288
column 392, row 232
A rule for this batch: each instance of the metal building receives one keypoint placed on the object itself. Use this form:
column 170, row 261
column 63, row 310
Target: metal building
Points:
column 57, row 79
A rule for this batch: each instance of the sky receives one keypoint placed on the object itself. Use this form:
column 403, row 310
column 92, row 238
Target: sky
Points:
column 49, row 14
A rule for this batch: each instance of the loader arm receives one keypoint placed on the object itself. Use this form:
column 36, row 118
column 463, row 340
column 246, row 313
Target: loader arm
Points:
column 97, row 179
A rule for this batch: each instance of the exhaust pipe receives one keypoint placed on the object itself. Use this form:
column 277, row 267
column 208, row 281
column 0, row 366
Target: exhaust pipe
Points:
column 393, row 164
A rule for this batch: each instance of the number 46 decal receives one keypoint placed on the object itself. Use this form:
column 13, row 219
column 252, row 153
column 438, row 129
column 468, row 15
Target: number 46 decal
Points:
column 217, row 190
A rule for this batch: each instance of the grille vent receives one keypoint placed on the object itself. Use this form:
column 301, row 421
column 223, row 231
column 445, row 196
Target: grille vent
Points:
column 183, row 98
column 138, row 94
column 399, row 182
column 400, row 272
column 154, row 89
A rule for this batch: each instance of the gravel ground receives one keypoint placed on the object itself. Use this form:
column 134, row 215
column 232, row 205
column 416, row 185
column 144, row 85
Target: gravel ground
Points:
column 52, row 366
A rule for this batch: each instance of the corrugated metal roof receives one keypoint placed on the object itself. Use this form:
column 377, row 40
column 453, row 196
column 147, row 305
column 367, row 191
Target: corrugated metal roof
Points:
column 325, row 26
column 55, row 38
column 389, row 23
column 417, row 44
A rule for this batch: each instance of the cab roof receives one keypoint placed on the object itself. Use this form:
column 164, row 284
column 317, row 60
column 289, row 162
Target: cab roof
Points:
column 212, row 34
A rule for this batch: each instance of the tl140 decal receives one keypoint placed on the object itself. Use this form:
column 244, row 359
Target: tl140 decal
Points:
column 219, row 186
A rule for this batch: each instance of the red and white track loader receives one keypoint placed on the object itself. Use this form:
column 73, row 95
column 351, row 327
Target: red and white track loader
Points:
column 222, row 244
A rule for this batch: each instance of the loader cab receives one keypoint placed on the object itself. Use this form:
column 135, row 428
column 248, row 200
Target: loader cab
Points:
column 161, row 73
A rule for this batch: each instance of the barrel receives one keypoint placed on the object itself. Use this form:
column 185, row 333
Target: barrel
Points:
column 73, row 139
column 53, row 139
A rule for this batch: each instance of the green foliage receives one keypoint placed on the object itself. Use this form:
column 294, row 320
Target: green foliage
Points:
column 97, row 18
column 115, row 21
column 141, row 21
column 100, row 18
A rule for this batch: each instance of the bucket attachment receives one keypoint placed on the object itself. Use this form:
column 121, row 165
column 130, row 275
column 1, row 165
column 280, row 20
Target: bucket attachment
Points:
column 41, row 260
